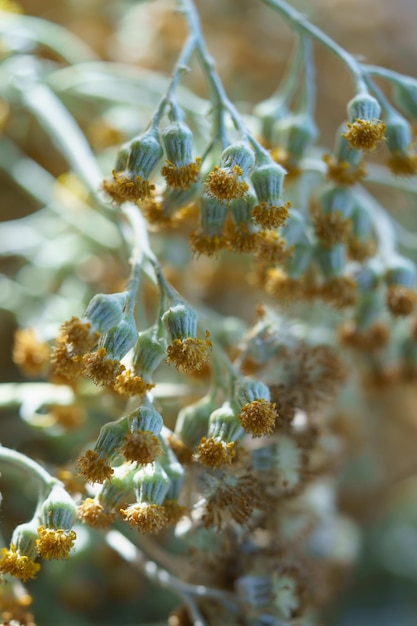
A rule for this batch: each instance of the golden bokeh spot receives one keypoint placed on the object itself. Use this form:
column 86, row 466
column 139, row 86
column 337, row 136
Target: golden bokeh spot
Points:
column 400, row 300
column 30, row 354
column 331, row 228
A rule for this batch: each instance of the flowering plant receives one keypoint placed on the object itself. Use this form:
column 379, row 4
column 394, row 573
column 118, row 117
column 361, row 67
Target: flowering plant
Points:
column 201, row 295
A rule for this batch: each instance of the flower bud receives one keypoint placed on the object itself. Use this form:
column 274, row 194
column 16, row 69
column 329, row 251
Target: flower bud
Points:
column 247, row 390
column 224, row 424
column 212, row 216
column 145, row 152
column 192, row 420
column 363, row 107
column 115, row 491
column 105, row 310
column 58, row 511
column 151, row 484
column 268, row 181
column 398, row 133
column 110, row 438
column 24, row 537
column 120, row 339
column 145, row 419
column 122, row 157
column 255, row 591
column 238, row 154
column 149, row 353
column 174, row 471
column 181, row 321
column 178, row 142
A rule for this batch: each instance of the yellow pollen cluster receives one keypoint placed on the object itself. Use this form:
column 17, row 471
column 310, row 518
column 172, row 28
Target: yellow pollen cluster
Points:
column 181, row 177
column 365, row 134
column 79, row 335
column 54, row 543
column 403, row 164
column 258, row 417
column 93, row 467
column 205, row 245
column 141, row 447
column 75, row 339
column 148, row 518
column 102, row 370
column 215, row 452
column 331, row 228
column 130, row 385
column 270, row 216
column 343, row 172
column 123, row 187
column 30, row 354
column 22, row 567
column 400, row 300
column 94, row 514
column 224, row 184
column 190, row 354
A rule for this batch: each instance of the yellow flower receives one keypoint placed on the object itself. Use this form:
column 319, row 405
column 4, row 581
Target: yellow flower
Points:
column 270, row 216
column 365, row 134
column 101, row 369
column 403, row 163
column 400, row 300
column 17, row 565
column 91, row 512
column 123, row 187
column 54, row 543
column 258, row 417
column 215, row 453
column 93, row 467
column 142, row 447
column 225, row 184
column 181, row 177
column 190, row 354
column 148, row 518
column 130, row 385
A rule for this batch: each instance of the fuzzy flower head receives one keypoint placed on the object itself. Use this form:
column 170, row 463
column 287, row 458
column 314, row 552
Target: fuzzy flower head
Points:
column 180, row 171
column 227, row 182
column 17, row 565
column 268, row 180
column 186, row 352
column 95, row 468
column 215, row 453
column 141, row 446
column 54, row 543
column 58, row 510
column 257, row 413
column 95, row 514
column 146, row 517
column 210, row 238
column 139, row 159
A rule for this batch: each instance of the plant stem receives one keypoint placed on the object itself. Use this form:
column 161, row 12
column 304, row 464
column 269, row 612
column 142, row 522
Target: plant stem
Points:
column 300, row 24
column 30, row 466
